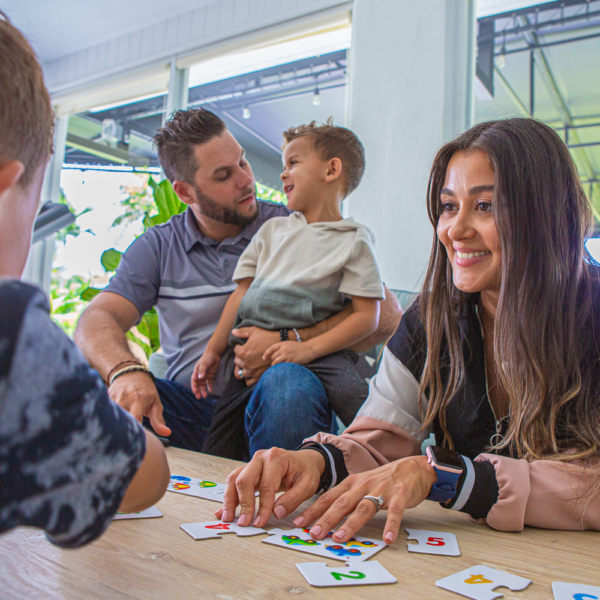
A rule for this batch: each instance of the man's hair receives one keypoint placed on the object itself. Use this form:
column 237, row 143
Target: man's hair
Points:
column 26, row 117
column 330, row 141
column 175, row 141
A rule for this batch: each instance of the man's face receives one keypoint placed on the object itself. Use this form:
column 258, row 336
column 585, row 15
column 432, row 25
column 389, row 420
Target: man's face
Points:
column 224, row 185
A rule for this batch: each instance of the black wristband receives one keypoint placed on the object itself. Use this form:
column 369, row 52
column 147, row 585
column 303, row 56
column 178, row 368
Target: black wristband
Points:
column 335, row 466
column 283, row 334
column 484, row 494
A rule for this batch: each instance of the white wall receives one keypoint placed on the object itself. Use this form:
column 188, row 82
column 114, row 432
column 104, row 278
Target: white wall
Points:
column 410, row 70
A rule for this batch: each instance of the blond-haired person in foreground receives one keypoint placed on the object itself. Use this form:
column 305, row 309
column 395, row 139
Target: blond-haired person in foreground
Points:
column 69, row 457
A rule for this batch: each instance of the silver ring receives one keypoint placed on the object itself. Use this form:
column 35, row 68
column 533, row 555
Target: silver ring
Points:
column 378, row 502
column 240, row 371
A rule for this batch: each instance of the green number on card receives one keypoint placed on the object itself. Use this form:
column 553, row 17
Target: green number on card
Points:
column 350, row 575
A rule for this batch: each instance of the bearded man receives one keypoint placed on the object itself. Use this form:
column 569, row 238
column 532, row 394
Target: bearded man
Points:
column 184, row 268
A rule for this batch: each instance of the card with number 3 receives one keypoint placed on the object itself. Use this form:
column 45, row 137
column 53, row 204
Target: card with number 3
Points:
column 433, row 542
column 367, row 573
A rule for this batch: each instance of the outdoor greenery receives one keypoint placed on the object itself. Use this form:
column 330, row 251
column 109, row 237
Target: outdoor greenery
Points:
column 156, row 203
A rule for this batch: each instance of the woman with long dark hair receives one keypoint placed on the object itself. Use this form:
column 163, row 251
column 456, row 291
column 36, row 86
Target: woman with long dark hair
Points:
column 499, row 357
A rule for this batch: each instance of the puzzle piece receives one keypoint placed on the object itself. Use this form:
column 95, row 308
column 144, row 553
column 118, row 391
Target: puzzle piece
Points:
column 478, row 582
column 149, row 513
column 433, row 542
column 356, row 549
column 368, row 573
column 574, row 591
column 214, row 529
column 200, row 488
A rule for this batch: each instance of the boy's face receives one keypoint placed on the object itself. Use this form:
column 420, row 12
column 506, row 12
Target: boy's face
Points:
column 304, row 173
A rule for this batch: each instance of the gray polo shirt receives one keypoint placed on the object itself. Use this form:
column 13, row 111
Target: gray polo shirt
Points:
column 188, row 277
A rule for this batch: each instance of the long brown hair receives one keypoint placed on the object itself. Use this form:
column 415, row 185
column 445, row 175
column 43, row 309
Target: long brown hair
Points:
column 545, row 349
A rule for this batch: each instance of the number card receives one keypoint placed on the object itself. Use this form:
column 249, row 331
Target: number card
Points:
column 356, row 549
column 575, row 591
column 479, row 582
column 368, row 573
column 200, row 488
column 149, row 513
column 433, row 542
column 215, row 529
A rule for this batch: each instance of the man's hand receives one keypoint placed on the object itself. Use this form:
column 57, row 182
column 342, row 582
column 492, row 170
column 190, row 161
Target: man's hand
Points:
column 249, row 356
column 270, row 471
column 293, row 352
column 204, row 374
column 136, row 393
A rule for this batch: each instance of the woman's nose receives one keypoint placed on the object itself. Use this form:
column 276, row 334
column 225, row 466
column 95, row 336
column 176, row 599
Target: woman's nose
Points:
column 462, row 226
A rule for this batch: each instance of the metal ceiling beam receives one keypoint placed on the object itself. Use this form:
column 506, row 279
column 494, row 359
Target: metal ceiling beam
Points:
column 511, row 92
column 549, row 80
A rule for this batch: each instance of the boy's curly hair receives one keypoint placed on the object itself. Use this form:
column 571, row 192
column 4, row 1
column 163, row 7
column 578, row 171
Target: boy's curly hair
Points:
column 330, row 141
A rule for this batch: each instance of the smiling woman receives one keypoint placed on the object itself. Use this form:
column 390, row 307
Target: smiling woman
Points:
column 498, row 357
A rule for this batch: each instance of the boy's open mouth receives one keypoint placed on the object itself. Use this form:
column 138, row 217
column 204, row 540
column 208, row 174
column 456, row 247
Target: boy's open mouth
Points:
column 288, row 188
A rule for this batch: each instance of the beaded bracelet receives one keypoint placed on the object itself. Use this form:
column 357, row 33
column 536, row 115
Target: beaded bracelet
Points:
column 126, row 370
column 123, row 362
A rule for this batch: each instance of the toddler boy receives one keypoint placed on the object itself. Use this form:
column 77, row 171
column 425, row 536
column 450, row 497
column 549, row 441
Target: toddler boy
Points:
column 298, row 271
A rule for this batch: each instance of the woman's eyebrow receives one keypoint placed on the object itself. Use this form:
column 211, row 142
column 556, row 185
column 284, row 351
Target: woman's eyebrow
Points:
column 446, row 192
column 480, row 188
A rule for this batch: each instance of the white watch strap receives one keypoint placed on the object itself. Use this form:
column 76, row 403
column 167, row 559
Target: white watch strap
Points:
column 467, row 486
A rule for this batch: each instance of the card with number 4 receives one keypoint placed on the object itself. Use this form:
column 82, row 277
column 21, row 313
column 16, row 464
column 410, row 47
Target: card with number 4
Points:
column 368, row 573
column 214, row 529
column 575, row 591
column 433, row 542
column 479, row 582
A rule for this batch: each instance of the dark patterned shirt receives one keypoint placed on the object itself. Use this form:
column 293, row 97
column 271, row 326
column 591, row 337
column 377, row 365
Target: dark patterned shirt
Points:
column 67, row 453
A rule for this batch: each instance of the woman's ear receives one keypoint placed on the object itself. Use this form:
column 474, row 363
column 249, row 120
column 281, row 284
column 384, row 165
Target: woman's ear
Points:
column 184, row 192
column 334, row 170
column 10, row 173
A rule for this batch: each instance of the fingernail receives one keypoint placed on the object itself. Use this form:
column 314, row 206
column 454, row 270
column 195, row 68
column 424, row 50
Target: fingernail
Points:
column 225, row 516
column 299, row 521
column 389, row 537
column 279, row 512
column 242, row 520
column 340, row 534
column 256, row 522
column 316, row 530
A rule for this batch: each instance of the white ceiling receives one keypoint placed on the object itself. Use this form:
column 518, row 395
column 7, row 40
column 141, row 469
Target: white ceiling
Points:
column 59, row 27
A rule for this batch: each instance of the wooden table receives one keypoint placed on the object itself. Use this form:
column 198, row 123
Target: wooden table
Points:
column 154, row 558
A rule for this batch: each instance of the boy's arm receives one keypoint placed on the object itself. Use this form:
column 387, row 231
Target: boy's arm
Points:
column 220, row 338
column 206, row 367
column 362, row 322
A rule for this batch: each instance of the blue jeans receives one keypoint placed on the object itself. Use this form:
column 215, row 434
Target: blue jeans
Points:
column 287, row 405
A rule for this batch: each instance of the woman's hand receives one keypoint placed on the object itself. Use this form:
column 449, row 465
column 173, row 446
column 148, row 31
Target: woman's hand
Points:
column 271, row 471
column 403, row 484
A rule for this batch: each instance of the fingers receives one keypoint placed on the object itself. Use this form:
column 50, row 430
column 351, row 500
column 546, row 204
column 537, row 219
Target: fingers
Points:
column 319, row 508
column 230, row 498
column 274, row 469
column 365, row 510
column 268, row 355
column 136, row 410
column 246, row 483
column 242, row 332
column 395, row 512
column 300, row 491
column 155, row 414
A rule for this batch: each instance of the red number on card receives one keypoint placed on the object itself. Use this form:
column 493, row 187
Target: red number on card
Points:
column 435, row 541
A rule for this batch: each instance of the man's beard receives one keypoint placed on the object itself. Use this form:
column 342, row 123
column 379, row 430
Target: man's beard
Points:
column 223, row 214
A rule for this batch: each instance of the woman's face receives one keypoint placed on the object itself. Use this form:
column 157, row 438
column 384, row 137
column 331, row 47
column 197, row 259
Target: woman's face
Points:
column 467, row 227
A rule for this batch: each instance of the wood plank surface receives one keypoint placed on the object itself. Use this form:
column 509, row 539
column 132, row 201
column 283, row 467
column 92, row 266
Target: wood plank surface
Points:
column 153, row 558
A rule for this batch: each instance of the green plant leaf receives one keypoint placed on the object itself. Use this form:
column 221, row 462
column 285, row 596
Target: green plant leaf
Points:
column 148, row 221
column 136, row 340
column 89, row 294
column 66, row 308
column 110, row 259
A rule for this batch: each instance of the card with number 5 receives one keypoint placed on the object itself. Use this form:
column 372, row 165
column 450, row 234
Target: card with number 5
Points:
column 367, row 573
column 433, row 542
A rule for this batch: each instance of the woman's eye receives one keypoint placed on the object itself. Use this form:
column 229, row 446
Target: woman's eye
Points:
column 484, row 206
column 447, row 206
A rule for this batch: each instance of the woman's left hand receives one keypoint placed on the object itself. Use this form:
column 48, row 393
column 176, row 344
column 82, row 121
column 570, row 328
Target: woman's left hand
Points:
column 403, row 484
